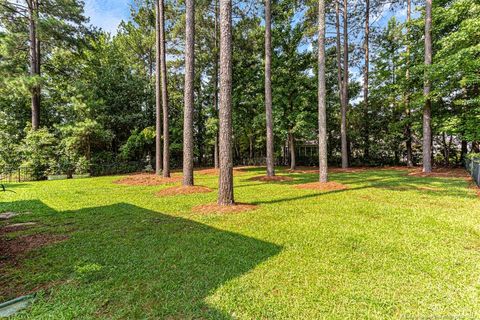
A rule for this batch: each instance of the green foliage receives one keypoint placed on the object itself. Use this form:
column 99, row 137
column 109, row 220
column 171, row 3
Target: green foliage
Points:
column 38, row 150
column 82, row 166
column 98, row 89
column 139, row 144
column 473, row 156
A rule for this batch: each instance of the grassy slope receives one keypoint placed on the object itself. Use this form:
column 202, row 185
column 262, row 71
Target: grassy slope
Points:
column 385, row 248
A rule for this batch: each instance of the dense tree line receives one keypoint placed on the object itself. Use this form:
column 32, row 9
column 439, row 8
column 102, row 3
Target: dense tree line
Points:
column 404, row 91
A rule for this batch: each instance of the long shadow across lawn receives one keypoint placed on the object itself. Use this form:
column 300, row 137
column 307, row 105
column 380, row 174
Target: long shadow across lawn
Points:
column 124, row 261
column 393, row 180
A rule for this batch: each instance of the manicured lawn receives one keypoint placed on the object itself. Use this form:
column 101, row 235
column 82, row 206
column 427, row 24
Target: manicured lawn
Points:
column 390, row 246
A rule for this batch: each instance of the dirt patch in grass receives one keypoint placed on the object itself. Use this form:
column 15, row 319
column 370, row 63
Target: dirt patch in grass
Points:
column 173, row 191
column 441, row 173
column 218, row 209
column 271, row 179
column 25, row 244
column 146, row 179
column 319, row 186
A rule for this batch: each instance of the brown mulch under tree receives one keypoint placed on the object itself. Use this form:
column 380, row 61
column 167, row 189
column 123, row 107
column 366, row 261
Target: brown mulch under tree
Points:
column 208, row 171
column 218, row 209
column 215, row 172
column 173, row 191
column 271, row 179
column 347, row 170
column 441, row 173
column 319, row 186
column 330, row 170
column 146, row 179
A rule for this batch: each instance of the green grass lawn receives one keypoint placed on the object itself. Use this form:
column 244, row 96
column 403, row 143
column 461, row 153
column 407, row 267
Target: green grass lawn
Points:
column 390, row 246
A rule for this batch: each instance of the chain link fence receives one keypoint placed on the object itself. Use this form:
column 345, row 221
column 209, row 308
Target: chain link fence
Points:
column 473, row 167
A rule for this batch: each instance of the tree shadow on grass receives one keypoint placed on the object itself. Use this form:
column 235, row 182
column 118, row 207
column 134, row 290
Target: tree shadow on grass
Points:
column 124, row 261
column 393, row 180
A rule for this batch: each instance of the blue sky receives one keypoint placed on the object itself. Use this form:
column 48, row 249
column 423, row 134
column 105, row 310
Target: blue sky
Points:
column 107, row 14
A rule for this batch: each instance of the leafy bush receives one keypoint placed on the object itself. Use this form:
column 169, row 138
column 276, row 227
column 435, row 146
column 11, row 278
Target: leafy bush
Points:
column 473, row 156
column 82, row 166
column 139, row 144
column 39, row 149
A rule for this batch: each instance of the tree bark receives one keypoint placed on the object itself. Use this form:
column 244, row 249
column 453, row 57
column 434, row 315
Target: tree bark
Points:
column 427, row 109
column 225, row 189
column 366, row 152
column 322, row 106
column 337, row 47
column 408, row 127
column 339, row 56
column 189, row 94
column 163, row 64
column 158, row 94
column 34, row 61
column 291, row 147
column 268, row 90
column 343, row 129
column 215, row 85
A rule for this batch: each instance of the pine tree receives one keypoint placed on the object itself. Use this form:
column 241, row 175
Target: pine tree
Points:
column 225, row 189
column 268, row 90
column 188, row 97
column 427, row 109
column 322, row 105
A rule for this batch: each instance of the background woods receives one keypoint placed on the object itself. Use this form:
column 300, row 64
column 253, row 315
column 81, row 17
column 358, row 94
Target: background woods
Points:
column 73, row 96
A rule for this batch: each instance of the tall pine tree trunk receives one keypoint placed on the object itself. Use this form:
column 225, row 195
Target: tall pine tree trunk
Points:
column 343, row 129
column 158, row 93
column 366, row 151
column 339, row 56
column 163, row 65
column 188, row 97
column 215, row 84
column 268, row 89
column 322, row 105
column 338, row 47
column 225, row 188
column 34, row 60
column 408, row 127
column 427, row 109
